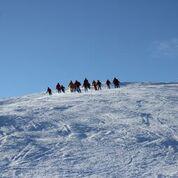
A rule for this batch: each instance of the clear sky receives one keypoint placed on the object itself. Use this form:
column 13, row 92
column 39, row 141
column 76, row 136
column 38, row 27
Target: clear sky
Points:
column 46, row 41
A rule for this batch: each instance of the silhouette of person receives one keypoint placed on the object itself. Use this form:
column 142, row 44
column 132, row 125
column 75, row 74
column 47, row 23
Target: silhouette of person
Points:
column 94, row 85
column 58, row 88
column 98, row 84
column 49, row 91
column 116, row 83
column 108, row 83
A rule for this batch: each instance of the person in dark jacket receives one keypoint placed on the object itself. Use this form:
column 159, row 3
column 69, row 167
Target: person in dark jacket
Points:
column 49, row 91
column 62, row 88
column 94, row 84
column 108, row 83
column 98, row 85
column 116, row 83
column 58, row 88
column 77, row 85
column 86, row 84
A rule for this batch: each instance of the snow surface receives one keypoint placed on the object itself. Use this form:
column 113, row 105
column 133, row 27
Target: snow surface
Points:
column 126, row 132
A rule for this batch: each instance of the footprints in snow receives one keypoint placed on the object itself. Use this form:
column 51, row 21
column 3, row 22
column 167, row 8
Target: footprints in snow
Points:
column 84, row 131
column 62, row 108
column 77, row 130
column 146, row 118
column 44, row 125
column 146, row 137
column 170, row 143
column 139, row 103
column 65, row 131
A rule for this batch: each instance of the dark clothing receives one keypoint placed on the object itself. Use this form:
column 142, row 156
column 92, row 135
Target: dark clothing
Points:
column 86, row 84
column 71, row 83
column 108, row 83
column 49, row 91
column 77, row 85
column 58, row 88
column 98, row 85
column 116, row 83
column 62, row 88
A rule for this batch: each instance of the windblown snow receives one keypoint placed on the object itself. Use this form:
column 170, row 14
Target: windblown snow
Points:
column 127, row 132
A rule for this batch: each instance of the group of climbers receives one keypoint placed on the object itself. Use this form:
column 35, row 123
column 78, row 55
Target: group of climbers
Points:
column 75, row 86
column 60, row 88
column 96, row 85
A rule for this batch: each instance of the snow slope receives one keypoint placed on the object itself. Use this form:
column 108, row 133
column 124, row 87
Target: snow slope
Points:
column 126, row 132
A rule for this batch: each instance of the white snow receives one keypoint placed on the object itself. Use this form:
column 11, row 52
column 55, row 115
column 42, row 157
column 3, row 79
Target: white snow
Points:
column 127, row 132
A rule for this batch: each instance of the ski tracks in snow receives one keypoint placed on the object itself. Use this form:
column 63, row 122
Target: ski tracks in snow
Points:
column 126, row 132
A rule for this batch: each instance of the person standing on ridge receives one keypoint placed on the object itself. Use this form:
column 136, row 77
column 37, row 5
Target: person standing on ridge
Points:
column 58, row 88
column 108, row 83
column 77, row 85
column 116, row 83
column 86, row 84
column 62, row 88
column 49, row 91
column 98, row 84
column 71, row 86
column 94, row 85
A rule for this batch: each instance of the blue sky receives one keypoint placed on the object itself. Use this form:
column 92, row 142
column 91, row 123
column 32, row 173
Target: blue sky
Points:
column 46, row 41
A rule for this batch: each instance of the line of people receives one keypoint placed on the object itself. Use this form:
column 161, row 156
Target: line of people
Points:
column 59, row 88
column 75, row 86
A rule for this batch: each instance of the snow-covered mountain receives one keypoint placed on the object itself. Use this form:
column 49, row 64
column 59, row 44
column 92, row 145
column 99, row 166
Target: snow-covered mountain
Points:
column 127, row 132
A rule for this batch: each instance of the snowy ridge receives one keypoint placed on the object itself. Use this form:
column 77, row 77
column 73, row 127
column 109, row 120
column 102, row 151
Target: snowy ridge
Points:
column 126, row 132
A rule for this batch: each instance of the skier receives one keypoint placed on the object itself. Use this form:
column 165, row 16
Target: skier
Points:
column 77, row 86
column 86, row 84
column 116, row 83
column 94, row 84
column 62, row 88
column 49, row 91
column 98, row 84
column 58, row 88
column 108, row 83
